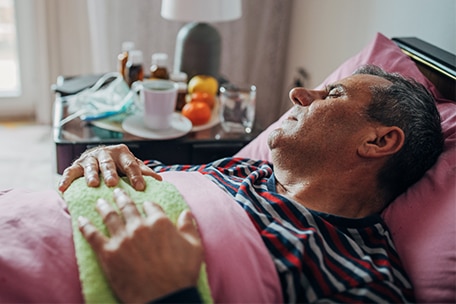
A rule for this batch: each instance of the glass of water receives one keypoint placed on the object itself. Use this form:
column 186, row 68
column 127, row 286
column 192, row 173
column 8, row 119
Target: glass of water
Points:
column 237, row 107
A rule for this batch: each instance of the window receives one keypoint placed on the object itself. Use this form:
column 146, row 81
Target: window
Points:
column 9, row 63
column 24, row 85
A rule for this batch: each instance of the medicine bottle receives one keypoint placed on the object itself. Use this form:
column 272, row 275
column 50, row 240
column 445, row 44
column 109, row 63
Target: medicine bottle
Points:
column 181, row 79
column 159, row 67
column 134, row 68
column 122, row 58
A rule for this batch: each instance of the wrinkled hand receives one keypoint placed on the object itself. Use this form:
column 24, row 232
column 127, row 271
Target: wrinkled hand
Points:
column 108, row 161
column 146, row 257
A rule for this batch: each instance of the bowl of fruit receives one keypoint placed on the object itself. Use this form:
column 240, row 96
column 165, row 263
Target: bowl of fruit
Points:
column 201, row 106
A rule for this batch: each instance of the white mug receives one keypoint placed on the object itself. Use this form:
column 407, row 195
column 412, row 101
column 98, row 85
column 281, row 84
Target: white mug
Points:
column 157, row 101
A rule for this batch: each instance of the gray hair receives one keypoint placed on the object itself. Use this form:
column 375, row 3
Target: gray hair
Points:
column 408, row 105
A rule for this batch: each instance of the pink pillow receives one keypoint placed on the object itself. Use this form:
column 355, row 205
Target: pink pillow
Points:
column 423, row 220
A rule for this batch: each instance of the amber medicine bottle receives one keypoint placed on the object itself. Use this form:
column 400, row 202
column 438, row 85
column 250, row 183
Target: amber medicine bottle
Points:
column 134, row 68
column 122, row 58
column 181, row 79
column 159, row 67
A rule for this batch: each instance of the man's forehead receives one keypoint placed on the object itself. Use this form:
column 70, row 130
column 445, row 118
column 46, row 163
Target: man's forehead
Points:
column 366, row 80
column 360, row 86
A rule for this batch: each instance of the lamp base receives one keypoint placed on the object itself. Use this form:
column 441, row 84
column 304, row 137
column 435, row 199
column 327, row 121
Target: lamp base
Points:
column 198, row 47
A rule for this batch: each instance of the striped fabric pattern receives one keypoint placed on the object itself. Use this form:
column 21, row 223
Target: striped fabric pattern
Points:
column 319, row 257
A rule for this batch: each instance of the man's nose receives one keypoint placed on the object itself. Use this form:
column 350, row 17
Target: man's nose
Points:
column 303, row 97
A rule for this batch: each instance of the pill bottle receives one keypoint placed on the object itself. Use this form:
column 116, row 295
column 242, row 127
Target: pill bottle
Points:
column 181, row 79
column 159, row 67
column 122, row 58
column 134, row 68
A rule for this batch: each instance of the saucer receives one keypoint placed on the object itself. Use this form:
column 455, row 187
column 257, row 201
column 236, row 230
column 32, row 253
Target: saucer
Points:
column 108, row 125
column 180, row 126
column 215, row 119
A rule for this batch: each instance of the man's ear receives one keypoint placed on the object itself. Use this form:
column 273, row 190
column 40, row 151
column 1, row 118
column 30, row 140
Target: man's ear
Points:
column 382, row 141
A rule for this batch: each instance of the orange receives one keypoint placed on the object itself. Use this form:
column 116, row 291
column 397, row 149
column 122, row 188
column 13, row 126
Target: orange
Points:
column 204, row 97
column 198, row 112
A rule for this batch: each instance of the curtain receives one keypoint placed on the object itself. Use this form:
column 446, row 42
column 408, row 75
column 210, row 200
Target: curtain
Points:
column 253, row 47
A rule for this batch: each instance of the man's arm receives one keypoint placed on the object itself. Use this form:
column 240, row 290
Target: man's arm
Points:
column 145, row 258
column 108, row 161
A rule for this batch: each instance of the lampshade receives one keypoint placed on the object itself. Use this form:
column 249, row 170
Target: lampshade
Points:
column 198, row 44
column 201, row 10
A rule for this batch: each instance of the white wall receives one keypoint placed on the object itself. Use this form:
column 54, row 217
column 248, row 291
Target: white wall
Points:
column 324, row 33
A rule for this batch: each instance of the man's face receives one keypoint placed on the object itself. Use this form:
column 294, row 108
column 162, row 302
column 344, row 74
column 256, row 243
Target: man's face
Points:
column 325, row 124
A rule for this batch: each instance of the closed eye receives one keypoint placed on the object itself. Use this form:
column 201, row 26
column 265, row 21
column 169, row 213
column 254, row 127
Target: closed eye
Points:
column 334, row 91
column 332, row 94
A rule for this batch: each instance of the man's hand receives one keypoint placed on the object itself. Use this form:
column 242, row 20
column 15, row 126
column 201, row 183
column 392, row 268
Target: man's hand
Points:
column 146, row 257
column 108, row 161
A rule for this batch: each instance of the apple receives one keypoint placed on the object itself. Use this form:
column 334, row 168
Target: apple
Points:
column 203, row 83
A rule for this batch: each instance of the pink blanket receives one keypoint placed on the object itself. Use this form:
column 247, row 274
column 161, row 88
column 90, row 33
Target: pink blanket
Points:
column 233, row 246
column 37, row 262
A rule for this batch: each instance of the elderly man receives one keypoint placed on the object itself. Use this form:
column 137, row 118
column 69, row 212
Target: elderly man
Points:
column 339, row 158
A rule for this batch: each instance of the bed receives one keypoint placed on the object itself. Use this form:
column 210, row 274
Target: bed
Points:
column 37, row 260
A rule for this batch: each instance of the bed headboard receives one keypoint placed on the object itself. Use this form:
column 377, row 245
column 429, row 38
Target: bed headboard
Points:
column 438, row 65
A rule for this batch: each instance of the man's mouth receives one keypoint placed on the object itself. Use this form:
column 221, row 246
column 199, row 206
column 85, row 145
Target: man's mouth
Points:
column 292, row 117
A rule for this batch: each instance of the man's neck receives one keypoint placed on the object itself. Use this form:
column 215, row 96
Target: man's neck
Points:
column 337, row 194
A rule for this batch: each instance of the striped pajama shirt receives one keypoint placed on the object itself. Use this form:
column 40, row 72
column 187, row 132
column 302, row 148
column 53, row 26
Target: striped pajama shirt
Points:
column 318, row 256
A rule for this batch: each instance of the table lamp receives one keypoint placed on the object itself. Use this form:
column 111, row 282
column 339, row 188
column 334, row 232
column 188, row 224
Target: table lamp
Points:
column 198, row 44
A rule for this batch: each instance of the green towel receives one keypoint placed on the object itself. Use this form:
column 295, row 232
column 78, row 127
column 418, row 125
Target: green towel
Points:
column 81, row 200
